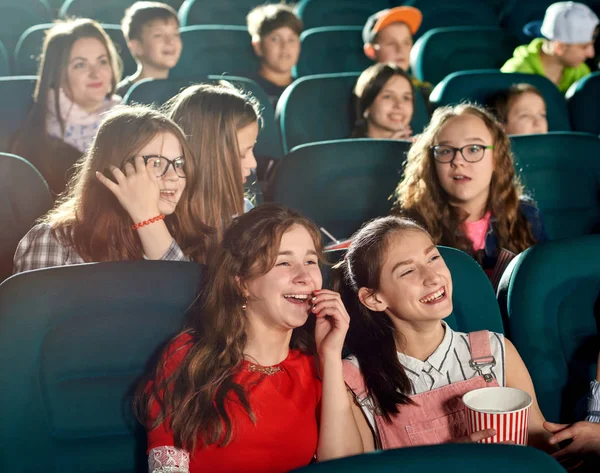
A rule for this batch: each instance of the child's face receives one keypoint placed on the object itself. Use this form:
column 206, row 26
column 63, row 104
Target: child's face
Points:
column 415, row 283
column 527, row 115
column 89, row 74
column 393, row 44
column 573, row 55
column 279, row 50
column 393, row 107
column 171, row 184
column 246, row 140
column 466, row 183
column 160, row 45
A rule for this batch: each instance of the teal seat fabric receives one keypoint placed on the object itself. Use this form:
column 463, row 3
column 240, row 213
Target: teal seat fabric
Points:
column 442, row 51
column 17, row 16
column 25, row 197
column 553, row 304
column 73, row 342
column 215, row 49
column 438, row 14
column 158, row 91
column 562, row 173
column 582, row 99
column 331, row 49
column 16, row 98
column 210, row 12
column 341, row 184
column 474, row 303
column 464, row 458
column 518, row 13
column 29, row 48
column 319, row 108
column 315, row 13
column 5, row 61
column 478, row 86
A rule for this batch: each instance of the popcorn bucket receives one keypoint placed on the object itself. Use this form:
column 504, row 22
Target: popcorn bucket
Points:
column 506, row 410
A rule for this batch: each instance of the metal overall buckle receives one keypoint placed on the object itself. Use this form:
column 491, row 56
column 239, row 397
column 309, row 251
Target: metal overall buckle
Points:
column 483, row 362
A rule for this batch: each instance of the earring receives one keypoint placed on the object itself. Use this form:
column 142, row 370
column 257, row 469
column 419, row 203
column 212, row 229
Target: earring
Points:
column 365, row 114
column 245, row 305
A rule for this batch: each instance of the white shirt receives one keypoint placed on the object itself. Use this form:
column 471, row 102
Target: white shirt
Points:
column 449, row 363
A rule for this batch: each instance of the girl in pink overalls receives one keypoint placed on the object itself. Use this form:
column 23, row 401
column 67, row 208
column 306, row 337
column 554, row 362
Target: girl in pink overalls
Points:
column 409, row 369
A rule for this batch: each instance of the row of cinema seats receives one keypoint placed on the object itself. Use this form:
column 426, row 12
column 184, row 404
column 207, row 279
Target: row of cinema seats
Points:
column 71, row 355
column 352, row 180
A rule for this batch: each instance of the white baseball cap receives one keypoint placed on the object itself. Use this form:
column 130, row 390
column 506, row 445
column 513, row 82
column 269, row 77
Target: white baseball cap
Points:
column 567, row 22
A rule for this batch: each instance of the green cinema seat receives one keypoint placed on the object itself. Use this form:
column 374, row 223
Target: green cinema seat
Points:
column 319, row 108
column 315, row 13
column 211, row 12
column 215, row 49
column 16, row 98
column 104, row 11
column 561, row 171
column 552, row 299
column 5, row 67
column 17, row 16
column 464, row 458
column 478, row 86
column 341, row 183
column 331, row 49
column 74, row 341
column 437, row 14
column 518, row 13
column 25, row 197
column 158, row 91
column 442, row 51
column 29, row 49
column 583, row 98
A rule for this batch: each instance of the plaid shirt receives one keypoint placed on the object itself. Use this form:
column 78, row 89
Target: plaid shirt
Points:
column 40, row 248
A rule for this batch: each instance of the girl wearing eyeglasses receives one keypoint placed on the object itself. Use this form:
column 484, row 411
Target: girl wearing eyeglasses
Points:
column 460, row 183
column 131, row 197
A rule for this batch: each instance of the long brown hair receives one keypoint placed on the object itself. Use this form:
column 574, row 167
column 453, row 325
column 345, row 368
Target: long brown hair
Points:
column 52, row 75
column 368, row 86
column 371, row 335
column 193, row 398
column 211, row 116
column 89, row 217
column 420, row 195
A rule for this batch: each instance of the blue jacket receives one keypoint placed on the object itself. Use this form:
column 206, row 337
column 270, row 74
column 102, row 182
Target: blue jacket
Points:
column 536, row 223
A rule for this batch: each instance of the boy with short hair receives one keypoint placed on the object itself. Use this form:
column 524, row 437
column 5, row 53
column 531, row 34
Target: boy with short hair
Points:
column 388, row 38
column 564, row 41
column 152, row 33
column 275, row 32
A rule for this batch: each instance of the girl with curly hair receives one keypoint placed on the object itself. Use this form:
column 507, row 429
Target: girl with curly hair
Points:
column 460, row 184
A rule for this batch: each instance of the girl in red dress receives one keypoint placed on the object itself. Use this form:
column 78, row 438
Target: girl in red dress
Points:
column 241, row 388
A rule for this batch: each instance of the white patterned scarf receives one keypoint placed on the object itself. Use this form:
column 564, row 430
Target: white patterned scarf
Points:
column 80, row 126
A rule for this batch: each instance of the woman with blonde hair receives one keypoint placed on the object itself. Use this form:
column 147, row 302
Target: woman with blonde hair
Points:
column 78, row 74
column 132, row 196
column 460, row 183
column 222, row 126
column 255, row 382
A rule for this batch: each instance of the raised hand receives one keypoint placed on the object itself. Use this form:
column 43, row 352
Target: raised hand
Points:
column 403, row 134
column 137, row 189
column 332, row 322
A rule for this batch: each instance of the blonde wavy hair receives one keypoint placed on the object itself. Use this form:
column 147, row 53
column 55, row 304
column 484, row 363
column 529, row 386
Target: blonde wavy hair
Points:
column 419, row 194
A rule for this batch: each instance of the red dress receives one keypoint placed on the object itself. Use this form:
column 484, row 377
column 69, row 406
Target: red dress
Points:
column 286, row 406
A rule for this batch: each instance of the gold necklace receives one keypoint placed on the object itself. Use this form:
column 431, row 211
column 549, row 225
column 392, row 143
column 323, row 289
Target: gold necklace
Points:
column 268, row 370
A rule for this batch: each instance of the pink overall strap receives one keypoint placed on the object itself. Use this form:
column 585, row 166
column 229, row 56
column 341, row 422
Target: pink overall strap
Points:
column 354, row 380
column 481, row 353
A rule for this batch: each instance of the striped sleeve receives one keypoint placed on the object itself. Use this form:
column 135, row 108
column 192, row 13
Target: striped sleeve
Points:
column 39, row 249
column 174, row 253
column 593, row 413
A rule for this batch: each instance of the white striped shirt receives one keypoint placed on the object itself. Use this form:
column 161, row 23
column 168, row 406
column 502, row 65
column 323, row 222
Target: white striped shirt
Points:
column 449, row 363
column 593, row 408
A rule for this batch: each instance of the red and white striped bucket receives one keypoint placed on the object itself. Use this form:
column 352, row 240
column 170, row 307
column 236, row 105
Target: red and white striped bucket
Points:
column 506, row 410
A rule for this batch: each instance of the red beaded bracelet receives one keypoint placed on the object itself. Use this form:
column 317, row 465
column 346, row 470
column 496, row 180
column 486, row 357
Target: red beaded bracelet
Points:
column 135, row 226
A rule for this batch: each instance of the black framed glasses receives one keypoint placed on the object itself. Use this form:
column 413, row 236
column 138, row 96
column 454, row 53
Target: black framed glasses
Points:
column 471, row 153
column 160, row 165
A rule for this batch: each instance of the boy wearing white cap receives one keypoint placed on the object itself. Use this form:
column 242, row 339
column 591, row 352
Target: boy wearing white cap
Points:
column 564, row 41
column 388, row 38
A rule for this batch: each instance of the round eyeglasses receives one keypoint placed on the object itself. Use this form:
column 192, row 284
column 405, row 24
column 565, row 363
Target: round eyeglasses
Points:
column 470, row 153
column 160, row 165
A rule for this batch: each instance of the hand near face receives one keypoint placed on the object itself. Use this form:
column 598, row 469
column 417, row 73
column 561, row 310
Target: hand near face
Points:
column 403, row 134
column 137, row 189
column 332, row 322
